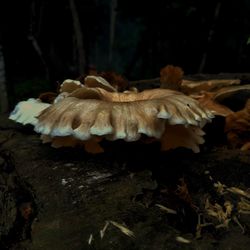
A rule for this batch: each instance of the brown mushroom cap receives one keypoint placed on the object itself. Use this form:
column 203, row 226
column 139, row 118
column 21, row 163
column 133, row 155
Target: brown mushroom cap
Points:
column 180, row 136
column 213, row 100
column 120, row 115
column 98, row 82
column 70, row 85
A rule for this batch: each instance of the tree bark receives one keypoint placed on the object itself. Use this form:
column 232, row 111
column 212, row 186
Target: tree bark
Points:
column 210, row 37
column 3, row 90
column 79, row 37
column 73, row 194
column 113, row 6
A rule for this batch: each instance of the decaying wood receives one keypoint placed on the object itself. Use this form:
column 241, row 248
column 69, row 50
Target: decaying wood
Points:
column 76, row 194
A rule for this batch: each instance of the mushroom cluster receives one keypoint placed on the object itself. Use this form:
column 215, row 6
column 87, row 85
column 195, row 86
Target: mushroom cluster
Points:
column 85, row 114
column 238, row 128
column 223, row 97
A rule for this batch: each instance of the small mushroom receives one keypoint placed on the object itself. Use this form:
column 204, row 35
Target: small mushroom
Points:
column 70, row 85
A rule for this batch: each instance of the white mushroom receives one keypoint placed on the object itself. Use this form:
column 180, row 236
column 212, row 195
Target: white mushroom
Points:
column 25, row 112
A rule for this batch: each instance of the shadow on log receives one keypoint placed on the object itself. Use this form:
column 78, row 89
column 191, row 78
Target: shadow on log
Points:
column 62, row 199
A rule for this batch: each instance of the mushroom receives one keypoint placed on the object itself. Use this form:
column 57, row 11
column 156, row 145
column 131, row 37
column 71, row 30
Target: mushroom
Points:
column 70, row 85
column 210, row 93
column 214, row 101
column 85, row 114
column 191, row 87
column 89, row 114
column 25, row 112
column 237, row 128
column 208, row 100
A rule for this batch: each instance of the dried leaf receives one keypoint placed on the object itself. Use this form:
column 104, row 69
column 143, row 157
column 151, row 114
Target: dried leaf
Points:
column 239, row 191
column 123, row 229
column 182, row 240
column 102, row 231
column 244, row 206
column 91, row 238
column 165, row 209
column 222, row 214
column 220, row 188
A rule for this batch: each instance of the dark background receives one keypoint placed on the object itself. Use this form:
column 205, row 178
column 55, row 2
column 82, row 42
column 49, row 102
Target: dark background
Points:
column 40, row 42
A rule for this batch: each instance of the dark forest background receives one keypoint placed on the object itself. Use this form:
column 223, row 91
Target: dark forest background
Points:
column 45, row 41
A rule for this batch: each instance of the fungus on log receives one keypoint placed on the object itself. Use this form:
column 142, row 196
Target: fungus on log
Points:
column 26, row 112
column 86, row 115
column 237, row 128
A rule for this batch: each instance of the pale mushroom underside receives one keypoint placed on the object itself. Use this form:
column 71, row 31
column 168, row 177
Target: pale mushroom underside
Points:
column 26, row 112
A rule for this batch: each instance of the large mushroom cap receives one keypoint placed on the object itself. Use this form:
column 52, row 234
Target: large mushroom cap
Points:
column 84, row 114
column 91, row 112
